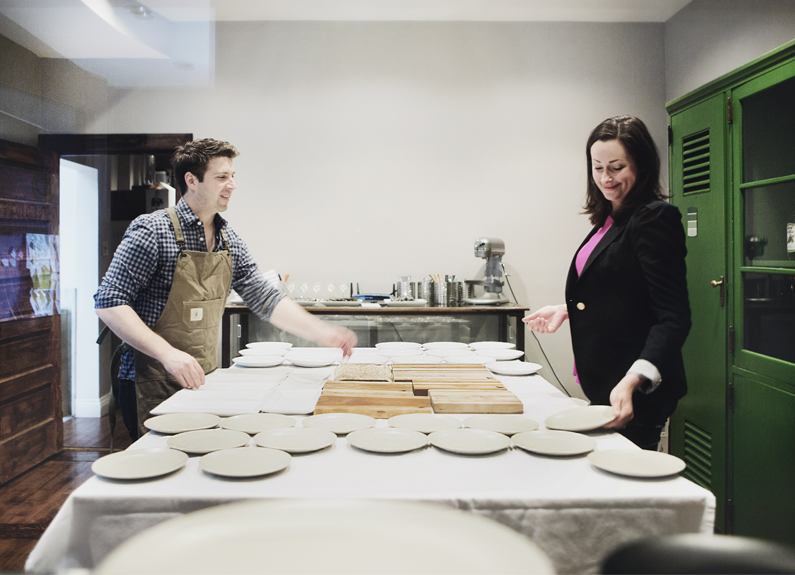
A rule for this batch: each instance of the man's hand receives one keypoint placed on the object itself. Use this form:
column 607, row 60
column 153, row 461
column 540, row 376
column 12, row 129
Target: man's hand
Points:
column 337, row 336
column 184, row 368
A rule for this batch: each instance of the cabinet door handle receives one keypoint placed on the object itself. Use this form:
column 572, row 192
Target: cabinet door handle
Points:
column 719, row 283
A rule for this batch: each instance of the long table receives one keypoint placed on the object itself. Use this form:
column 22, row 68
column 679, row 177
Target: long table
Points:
column 575, row 512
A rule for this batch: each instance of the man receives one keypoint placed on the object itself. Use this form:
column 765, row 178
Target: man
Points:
column 166, row 288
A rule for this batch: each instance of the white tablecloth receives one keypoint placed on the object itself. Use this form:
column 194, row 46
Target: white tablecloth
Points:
column 573, row 511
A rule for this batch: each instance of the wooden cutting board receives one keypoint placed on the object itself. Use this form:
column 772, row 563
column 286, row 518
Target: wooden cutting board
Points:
column 444, row 401
column 363, row 372
column 380, row 406
column 422, row 387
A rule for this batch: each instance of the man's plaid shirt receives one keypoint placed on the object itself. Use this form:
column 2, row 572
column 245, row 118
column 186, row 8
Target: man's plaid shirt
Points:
column 143, row 266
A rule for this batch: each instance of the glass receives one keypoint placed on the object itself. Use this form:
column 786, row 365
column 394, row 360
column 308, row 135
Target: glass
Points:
column 769, row 314
column 769, row 133
column 768, row 211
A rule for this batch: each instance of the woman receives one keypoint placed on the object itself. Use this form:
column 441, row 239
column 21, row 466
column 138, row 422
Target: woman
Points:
column 626, row 293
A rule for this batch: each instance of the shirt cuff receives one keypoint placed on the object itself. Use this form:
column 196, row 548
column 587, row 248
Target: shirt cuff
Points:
column 646, row 369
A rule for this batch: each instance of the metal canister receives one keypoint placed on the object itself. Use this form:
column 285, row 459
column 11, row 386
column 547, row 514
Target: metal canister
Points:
column 440, row 294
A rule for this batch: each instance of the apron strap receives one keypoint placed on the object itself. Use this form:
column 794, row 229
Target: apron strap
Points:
column 114, row 388
column 172, row 213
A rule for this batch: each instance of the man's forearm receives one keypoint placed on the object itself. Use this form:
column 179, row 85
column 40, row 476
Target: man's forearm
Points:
column 126, row 324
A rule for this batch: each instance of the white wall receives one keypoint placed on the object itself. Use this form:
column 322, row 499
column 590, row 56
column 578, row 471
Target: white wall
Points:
column 78, row 236
column 373, row 150
column 709, row 38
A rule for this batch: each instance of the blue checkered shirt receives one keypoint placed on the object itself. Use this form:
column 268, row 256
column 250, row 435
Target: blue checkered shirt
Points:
column 143, row 266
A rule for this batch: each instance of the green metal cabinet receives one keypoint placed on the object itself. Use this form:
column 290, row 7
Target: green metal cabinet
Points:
column 732, row 168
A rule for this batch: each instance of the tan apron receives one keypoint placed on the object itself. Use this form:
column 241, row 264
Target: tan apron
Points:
column 190, row 321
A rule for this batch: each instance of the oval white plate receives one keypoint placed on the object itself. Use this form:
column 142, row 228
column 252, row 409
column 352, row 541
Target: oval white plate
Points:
column 258, row 360
column 296, row 439
column 269, row 345
column 171, row 423
column 554, row 442
column 207, row 440
column 424, row 422
column 476, row 345
column 399, row 351
column 280, row 536
column 445, row 345
column 469, row 441
column 339, row 423
column 584, row 418
column 310, row 359
column 637, row 462
column 501, row 423
column 449, row 353
column 502, row 354
column 253, row 423
column 139, row 463
column 416, row 359
column 469, row 358
column 263, row 351
column 512, row 367
column 387, row 440
column 398, row 345
column 245, row 462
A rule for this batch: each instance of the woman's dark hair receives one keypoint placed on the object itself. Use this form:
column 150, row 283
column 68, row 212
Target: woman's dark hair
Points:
column 194, row 156
column 631, row 133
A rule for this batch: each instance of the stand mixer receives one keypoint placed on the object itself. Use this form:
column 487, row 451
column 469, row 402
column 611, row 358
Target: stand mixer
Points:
column 491, row 250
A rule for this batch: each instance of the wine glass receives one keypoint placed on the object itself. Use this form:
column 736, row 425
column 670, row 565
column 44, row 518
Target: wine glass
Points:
column 304, row 290
column 316, row 288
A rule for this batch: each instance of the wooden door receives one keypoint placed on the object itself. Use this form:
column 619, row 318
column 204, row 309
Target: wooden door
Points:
column 31, row 426
column 698, row 428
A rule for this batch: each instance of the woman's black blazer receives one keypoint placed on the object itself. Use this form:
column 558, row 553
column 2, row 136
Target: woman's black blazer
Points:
column 630, row 302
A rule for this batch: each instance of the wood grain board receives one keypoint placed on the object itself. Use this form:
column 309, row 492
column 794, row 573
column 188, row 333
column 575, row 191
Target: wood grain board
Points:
column 417, row 388
column 444, row 401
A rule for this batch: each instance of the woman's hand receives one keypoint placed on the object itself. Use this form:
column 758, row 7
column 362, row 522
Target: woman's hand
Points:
column 548, row 319
column 621, row 400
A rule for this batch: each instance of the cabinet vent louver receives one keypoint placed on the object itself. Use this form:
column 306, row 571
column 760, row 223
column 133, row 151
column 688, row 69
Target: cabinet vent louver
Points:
column 698, row 455
column 695, row 163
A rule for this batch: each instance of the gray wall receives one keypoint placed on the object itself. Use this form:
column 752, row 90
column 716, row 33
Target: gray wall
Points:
column 709, row 38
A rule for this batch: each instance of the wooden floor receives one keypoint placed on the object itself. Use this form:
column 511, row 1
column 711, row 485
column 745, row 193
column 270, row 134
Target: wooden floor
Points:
column 29, row 502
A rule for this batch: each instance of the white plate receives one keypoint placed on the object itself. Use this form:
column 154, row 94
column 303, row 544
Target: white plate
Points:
column 180, row 422
column 502, row 354
column 339, row 423
column 445, row 345
column 416, row 359
column 398, row 345
column 207, row 440
column 296, row 439
column 258, row 360
column 245, row 462
column 359, row 536
column 424, row 422
column 501, row 423
column 447, row 352
column 266, row 345
column 469, row 441
column 476, row 345
column 469, row 358
column 512, row 367
column 139, row 463
column 399, row 352
column 584, row 418
column 306, row 302
column 637, row 462
column 554, row 442
column 311, row 359
column 405, row 303
column 291, row 401
column 263, row 351
column 253, row 423
column 387, row 440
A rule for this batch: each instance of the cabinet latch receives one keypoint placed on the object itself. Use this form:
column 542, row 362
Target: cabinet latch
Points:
column 731, row 339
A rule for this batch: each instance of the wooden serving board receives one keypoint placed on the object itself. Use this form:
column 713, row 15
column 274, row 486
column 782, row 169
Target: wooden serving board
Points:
column 367, row 386
column 363, row 372
column 380, row 406
column 444, row 375
column 422, row 387
column 444, row 401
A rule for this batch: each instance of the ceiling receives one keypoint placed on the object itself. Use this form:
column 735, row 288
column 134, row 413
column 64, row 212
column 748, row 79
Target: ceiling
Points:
column 172, row 42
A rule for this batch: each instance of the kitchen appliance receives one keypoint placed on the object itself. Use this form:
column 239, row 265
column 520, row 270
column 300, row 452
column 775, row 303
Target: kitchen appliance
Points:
column 491, row 250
